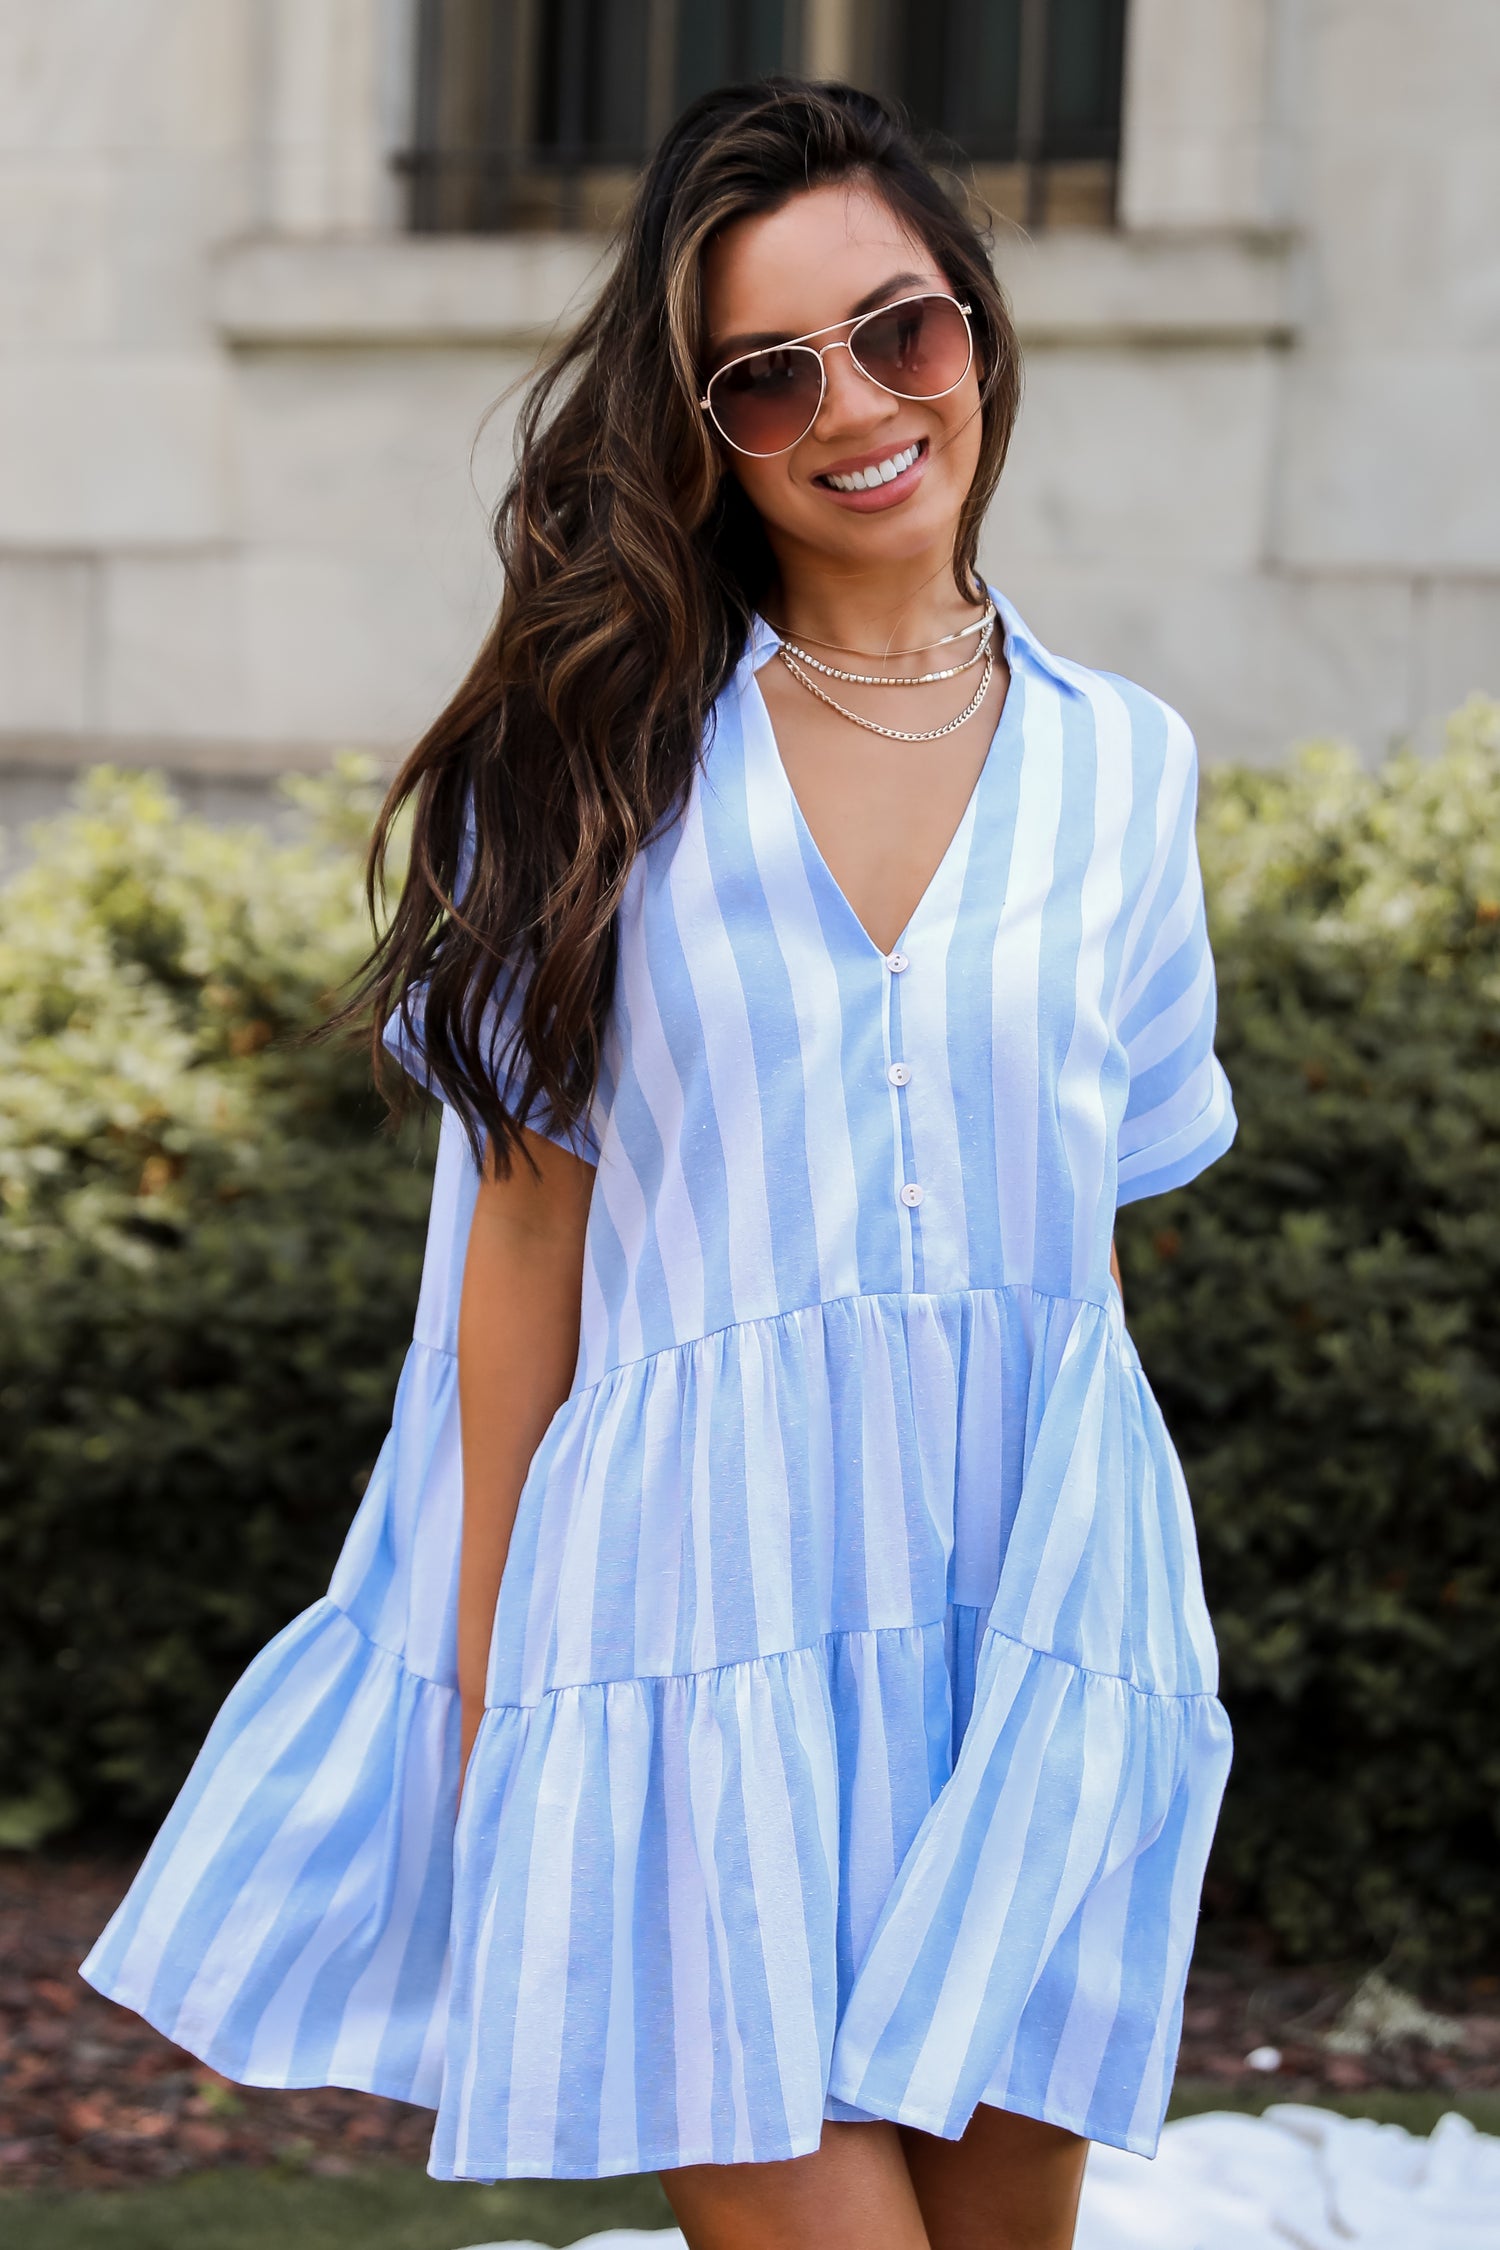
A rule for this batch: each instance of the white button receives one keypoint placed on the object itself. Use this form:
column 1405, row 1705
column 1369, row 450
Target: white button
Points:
column 896, row 962
column 911, row 1195
column 898, row 1074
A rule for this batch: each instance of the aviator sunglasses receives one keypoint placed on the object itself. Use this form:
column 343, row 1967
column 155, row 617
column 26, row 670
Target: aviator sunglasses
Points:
column 766, row 401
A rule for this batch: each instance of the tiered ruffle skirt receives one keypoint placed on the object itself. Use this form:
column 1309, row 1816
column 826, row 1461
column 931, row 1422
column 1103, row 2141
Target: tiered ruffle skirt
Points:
column 852, row 1750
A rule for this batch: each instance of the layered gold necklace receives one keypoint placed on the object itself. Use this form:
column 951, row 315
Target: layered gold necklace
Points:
column 801, row 664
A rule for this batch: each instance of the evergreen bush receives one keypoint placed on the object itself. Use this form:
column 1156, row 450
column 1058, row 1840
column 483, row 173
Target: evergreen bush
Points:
column 208, row 1262
column 209, row 1256
column 1319, row 1314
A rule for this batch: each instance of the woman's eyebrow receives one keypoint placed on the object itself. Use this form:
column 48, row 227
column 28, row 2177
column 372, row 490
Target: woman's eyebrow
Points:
column 732, row 346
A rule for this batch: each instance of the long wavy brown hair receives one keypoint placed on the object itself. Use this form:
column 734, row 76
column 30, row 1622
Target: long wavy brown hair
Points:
column 632, row 566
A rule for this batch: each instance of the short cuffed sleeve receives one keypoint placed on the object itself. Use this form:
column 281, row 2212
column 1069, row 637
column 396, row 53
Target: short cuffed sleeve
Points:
column 402, row 1036
column 1179, row 1113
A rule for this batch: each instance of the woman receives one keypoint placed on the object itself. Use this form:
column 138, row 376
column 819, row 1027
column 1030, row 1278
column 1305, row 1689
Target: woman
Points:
column 808, row 964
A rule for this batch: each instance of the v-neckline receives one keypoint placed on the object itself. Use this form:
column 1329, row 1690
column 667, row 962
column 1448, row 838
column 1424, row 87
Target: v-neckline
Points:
column 966, row 819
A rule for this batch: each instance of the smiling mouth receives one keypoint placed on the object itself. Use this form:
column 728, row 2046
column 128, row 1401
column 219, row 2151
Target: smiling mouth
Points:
column 878, row 472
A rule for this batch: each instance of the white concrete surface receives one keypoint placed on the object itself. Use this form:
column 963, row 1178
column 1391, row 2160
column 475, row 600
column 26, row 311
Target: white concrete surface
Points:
column 242, row 510
column 1205, row 142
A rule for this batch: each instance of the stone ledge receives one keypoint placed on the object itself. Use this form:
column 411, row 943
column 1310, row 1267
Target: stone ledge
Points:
column 1141, row 290
column 209, row 756
column 1079, row 289
column 402, row 289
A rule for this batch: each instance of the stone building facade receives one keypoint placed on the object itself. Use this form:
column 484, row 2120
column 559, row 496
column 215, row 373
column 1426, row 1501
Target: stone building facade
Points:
column 247, row 447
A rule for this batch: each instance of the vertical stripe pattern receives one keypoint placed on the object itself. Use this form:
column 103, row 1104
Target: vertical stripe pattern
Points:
column 852, row 1745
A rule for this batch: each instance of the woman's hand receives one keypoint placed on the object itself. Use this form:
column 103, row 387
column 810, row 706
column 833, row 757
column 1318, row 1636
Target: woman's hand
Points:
column 517, row 1348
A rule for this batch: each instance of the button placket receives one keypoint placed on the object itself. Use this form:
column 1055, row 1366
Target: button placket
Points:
column 909, row 1192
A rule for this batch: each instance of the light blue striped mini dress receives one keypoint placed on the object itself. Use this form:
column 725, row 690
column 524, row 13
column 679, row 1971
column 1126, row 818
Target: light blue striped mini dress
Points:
column 852, row 1746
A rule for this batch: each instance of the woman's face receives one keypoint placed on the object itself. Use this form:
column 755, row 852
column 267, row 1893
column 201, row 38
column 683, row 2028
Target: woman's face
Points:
column 804, row 271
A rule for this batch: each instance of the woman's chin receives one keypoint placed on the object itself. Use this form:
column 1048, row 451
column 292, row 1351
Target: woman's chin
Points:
column 889, row 536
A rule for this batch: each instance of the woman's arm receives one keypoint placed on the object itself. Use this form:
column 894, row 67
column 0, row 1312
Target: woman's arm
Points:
column 517, row 1345
column 1114, row 1267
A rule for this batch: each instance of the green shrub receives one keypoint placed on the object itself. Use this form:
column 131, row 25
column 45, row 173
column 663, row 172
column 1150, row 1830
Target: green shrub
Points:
column 1320, row 1317
column 208, row 1263
column 209, row 1256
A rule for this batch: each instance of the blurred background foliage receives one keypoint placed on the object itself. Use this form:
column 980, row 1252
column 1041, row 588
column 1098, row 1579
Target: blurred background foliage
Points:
column 1320, row 1317
column 209, row 1255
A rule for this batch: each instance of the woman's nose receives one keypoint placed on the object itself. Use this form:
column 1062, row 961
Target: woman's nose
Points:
column 851, row 400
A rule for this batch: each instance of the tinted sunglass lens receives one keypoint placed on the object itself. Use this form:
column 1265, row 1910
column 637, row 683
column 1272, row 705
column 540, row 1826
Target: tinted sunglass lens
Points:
column 918, row 349
column 767, row 401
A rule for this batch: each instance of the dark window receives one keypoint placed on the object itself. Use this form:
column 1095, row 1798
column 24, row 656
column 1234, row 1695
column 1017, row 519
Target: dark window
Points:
column 592, row 58
column 720, row 44
column 538, row 112
column 1030, row 86
column 1085, row 67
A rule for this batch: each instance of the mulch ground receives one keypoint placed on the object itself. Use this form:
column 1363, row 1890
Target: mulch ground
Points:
column 91, row 2097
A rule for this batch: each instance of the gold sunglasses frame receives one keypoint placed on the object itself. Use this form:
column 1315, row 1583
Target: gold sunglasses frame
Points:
column 838, row 343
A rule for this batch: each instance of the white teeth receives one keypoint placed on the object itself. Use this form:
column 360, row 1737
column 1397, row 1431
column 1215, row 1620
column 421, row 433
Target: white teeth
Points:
column 884, row 472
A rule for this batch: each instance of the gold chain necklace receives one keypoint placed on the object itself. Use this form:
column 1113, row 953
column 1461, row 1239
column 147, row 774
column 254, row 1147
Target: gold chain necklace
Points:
column 893, row 734
column 962, row 634
column 898, row 679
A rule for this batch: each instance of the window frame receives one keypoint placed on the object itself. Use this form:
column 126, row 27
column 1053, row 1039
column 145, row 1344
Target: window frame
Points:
column 1208, row 116
column 1020, row 182
column 538, row 183
column 504, row 177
